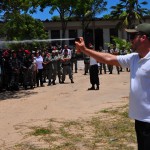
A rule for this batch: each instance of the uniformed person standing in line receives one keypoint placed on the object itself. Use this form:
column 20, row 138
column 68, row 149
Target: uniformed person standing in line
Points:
column 27, row 70
column 44, row 67
column 115, row 51
column 59, row 65
column 34, row 68
column 86, row 64
column 7, row 69
column 54, row 66
column 66, row 64
column 109, row 66
column 15, row 67
column 49, row 67
column 2, row 75
column 74, row 60
column 123, row 52
column 20, row 56
column 102, row 65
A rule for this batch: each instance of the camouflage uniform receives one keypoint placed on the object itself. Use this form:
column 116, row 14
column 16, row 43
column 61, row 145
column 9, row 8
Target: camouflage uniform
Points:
column 48, row 67
column 66, row 64
column 15, row 67
column 28, row 71
column 59, row 66
column 54, row 66
column 7, row 71
column 74, row 60
column 86, row 64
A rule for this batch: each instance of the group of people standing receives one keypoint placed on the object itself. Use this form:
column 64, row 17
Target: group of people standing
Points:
column 94, row 68
column 31, row 68
column 102, row 67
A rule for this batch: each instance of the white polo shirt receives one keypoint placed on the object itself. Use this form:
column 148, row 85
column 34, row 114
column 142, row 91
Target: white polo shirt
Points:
column 39, row 62
column 139, row 105
column 93, row 61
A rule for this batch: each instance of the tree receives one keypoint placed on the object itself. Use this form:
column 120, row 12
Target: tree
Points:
column 129, row 11
column 9, row 7
column 17, row 24
column 63, row 7
column 86, row 10
column 23, row 27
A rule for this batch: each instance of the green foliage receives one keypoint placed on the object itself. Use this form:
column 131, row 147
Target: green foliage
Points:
column 41, row 131
column 9, row 7
column 85, row 10
column 23, row 27
column 55, row 18
column 129, row 11
column 120, row 43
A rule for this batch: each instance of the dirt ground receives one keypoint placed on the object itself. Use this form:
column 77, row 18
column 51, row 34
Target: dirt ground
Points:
column 60, row 101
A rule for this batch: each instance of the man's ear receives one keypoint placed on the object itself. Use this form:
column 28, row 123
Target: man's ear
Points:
column 144, row 37
column 148, row 37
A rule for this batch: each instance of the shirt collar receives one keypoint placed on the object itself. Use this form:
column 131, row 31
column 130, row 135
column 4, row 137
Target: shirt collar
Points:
column 147, row 56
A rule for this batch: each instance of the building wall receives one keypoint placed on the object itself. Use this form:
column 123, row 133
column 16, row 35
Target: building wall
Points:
column 104, row 25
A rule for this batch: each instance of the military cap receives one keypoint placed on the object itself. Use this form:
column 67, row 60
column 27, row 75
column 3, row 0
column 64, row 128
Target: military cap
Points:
column 6, row 53
column 144, row 28
column 27, row 51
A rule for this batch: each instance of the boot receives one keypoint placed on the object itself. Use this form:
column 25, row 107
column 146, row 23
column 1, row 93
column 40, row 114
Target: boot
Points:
column 92, row 88
column 72, row 81
column 97, row 88
column 54, row 82
column 49, row 83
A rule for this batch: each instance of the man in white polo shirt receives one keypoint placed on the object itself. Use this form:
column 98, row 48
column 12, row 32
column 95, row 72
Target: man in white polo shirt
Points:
column 139, row 64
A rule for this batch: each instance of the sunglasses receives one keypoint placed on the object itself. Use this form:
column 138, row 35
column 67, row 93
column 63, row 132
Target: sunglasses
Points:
column 134, row 35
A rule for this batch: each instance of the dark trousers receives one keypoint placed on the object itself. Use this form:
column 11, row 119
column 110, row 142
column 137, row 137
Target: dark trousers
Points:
column 143, row 135
column 39, row 77
column 94, row 78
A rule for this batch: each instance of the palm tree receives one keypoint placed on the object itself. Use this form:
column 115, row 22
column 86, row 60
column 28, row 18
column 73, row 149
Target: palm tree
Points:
column 129, row 12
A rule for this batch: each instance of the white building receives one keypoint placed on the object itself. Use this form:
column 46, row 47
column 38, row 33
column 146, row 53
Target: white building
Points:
column 99, row 31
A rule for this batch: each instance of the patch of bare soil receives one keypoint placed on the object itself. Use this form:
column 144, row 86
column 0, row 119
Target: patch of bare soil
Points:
column 19, row 110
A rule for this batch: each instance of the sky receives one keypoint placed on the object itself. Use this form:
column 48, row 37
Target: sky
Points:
column 45, row 14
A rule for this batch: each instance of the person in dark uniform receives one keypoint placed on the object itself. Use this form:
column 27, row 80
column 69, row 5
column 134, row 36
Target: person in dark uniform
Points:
column 27, row 70
column 7, row 69
column 2, row 71
column 15, row 67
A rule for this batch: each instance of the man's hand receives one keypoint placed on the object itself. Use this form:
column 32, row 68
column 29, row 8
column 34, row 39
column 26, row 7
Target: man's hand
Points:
column 80, row 45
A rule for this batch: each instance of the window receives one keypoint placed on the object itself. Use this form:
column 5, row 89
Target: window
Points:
column 72, row 34
column 55, row 34
column 113, row 32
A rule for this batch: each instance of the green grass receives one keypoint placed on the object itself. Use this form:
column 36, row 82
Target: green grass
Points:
column 110, row 129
